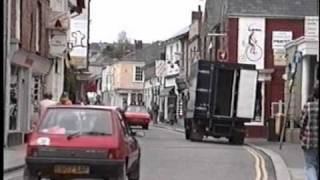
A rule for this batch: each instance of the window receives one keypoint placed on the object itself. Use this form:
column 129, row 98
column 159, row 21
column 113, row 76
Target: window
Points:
column 138, row 74
column 133, row 99
column 123, row 124
column 82, row 121
column 36, row 92
column 38, row 27
column 14, row 99
column 18, row 19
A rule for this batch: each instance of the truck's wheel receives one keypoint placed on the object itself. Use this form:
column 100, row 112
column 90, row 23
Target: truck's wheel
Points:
column 196, row 134
column 187, row 134
column 237, row 138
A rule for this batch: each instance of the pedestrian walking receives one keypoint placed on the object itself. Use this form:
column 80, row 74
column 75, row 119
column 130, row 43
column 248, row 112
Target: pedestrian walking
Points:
column 45, row 102
column 155, row 112
column 64, row 99
column 309, row 122
column 98, row 100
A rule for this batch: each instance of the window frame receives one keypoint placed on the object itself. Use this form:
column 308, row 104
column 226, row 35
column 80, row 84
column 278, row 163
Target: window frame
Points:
column 38, row 27
column 135, row 74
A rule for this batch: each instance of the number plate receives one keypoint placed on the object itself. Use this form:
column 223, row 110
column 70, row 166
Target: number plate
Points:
column 71, row 169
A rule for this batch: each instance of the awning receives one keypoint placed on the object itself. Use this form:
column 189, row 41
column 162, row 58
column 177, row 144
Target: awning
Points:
column 38, row 64
column 41, row 65
column 20, row 58
column 165, row 91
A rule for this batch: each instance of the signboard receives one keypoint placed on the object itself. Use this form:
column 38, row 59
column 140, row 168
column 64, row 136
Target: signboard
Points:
column 311, row 26
column 104, row 80
column 160, row 68
column 58, row 44
column 251, row 41
column 78, row 42
column 279, row 40
column 222, row 55
column 172, row 68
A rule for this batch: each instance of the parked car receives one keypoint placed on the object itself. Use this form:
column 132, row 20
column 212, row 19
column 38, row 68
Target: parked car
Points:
column 82, row 142
column 137, row 116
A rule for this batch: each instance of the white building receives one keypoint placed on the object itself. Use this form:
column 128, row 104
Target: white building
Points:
column 175, row 50
column 59, row 27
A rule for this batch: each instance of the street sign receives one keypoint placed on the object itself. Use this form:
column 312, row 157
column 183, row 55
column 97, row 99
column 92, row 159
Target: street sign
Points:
column 222, row 55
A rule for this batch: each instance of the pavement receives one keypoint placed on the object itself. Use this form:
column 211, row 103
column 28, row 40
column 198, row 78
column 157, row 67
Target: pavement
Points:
column 13, row 158
column 288, row 162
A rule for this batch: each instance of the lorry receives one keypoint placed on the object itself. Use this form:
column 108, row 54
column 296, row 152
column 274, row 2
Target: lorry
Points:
column 222, row 98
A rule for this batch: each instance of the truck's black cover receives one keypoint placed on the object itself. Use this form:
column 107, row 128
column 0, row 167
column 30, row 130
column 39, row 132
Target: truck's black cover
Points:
column 213, row 86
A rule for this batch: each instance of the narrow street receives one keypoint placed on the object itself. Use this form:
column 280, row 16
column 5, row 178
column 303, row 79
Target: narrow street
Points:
column 167, row 155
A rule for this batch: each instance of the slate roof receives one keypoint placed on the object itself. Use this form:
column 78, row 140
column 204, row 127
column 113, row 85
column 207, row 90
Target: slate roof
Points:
column 148, row 53
column 180, row 33
column 274, row 8
column 293, row 9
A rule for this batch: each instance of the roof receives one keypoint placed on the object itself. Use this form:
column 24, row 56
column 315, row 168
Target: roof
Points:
column 181, row 32
column 293, row 9
column 149, row 53
column 274, row 8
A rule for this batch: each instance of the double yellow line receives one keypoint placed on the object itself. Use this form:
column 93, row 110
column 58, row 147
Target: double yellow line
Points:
column 260, row 165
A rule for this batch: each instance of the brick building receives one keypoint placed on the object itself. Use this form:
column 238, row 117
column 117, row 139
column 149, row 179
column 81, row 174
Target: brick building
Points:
column 246, row 30
column 28, row 64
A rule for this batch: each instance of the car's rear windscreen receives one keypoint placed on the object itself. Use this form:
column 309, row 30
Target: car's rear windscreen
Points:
column 93, row 122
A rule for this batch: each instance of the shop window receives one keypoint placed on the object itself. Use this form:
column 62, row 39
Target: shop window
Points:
column 38, row 26
column 36, row 93
column 258, row 108
column 140, row 99
column 14, row 95
column 133, row 99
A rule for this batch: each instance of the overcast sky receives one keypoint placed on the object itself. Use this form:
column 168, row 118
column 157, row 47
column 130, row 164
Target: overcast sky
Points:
column 146, row 20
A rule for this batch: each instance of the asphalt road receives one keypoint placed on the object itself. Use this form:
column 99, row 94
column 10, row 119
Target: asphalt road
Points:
column 166, row 155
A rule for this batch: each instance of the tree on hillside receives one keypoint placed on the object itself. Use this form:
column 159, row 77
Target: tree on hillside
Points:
column 120, row 48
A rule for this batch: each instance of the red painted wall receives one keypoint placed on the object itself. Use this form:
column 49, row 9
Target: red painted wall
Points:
column 232, row 39
column 274, row 88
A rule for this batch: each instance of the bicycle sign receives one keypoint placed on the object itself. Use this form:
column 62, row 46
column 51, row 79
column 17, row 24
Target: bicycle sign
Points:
column 251, row 41
column 253, row 50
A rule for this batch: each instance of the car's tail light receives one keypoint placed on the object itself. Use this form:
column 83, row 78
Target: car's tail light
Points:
column 114, row 154
column 32, row 150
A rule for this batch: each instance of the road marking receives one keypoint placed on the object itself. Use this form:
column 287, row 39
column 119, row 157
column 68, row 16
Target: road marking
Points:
column 260, row 167
column 257, row 163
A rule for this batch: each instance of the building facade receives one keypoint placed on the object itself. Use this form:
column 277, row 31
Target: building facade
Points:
column 29, row 65
column 251, row 36
column 124, row 83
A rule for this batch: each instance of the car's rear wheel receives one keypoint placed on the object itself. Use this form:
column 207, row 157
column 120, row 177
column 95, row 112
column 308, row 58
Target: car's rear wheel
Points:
column 122, row 176
column 145, row 126
column 28, row 176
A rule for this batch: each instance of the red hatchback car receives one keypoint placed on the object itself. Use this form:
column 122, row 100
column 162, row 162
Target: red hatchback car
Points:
column 138, row 116
column 82, row 142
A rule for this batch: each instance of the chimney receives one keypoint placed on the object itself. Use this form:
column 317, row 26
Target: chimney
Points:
column 196, row 15
column 138, row 44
